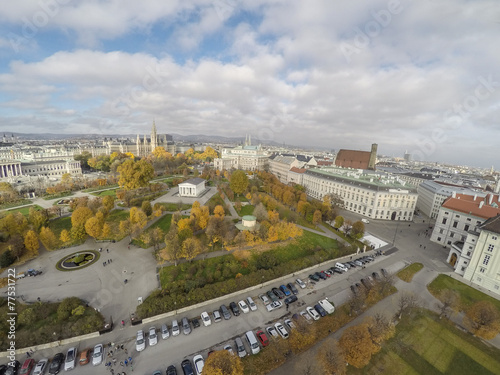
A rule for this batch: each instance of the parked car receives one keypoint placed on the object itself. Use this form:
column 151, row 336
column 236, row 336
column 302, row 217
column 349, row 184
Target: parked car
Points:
column 85, row 356
column 171, row 370
column 41, row 366
column 216, row 315
column 358, row 263
column 314, row 277
column 13, row 367
column 199, row 362
column 244, row 307
column 229, row 348
column 153, row 337
column 187, row 367
column 321, row 275
column 300, row 283
column 234, row 308
column 98, row 355
column 265, row 300
column 240, row 348
column 205, row 318
column 273, row 297
column 251, row 304
column 195, row 322
column 292, row 288
column 140, row 343
column 186, row 327
column 321, row 311
column 313, row 313
column 56, row 363
column 285, row 291
column 164, row 332
column 274, row 305
column 281, row 330
column 27, row 367
column 272, row 332
column 225, row 312
column 306, row 316
column 290, row 300
column 175, row 328
column 261, row 336
column 366, row 221
column 70, row 361
column 278, row 293
column 289, row 324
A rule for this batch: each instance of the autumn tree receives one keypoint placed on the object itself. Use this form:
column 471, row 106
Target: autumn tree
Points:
column 134, row 174
column 260, row 212
column 357, row 345
column 301, row 338
column 173, row 250
column 146, row 208
column 78, row 220
column 126, row 227
column 31, row 243
column 108, row 201
column 380, row 328
column 483, row 319
column 48, row 238
column 238, row 182
column 339, row 221
column 191, row 248
column 221, row 362
column 358, row 230
column 331, row 358
column 37, row 218
column 406, row 303
column 219, row 211
column 317, row 216
column 93, row 227
column 157, row 236
column 64, row 237
column 106, row 231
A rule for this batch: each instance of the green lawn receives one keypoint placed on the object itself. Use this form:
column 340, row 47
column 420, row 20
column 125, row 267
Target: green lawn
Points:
column 15, row 204
column 173, row 207
column 163, row 223
column 58, row 195
column 407, row 273
column 25, row 210
column 246, row 210
column 427, row 345
column 114, row 219
column 106, row 192
column 468, row 295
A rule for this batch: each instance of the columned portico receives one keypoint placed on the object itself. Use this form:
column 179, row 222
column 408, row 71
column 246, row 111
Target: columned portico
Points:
column 10, row 169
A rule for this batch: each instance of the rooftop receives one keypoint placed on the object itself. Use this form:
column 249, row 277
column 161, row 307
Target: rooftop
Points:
column 492, row 224
column 483, row 207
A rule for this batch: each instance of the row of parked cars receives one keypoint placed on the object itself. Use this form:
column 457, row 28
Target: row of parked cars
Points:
column 54, row 366
column 287, row 293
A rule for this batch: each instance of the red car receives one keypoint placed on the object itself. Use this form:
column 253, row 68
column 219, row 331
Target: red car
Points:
column 326, row 274
column 27, row 367
column 262, row 338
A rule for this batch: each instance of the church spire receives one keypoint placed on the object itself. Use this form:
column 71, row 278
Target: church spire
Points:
column 154, row 138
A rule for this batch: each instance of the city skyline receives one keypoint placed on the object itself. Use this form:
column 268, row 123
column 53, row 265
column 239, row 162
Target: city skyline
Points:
column 415, row 76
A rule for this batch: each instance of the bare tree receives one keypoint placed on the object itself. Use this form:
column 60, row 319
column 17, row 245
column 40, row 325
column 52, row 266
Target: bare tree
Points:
column 331, row 358
column 407, row 302
column 450, row 301
column 307, row 367
column 357, row 301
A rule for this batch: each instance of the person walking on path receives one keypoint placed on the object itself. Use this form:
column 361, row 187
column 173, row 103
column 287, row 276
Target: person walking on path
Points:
column 126, row 363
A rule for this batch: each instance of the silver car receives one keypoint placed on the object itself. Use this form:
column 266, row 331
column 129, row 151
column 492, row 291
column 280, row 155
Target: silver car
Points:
column 186, row 327
column 175, row 328
column 164, row 332
column 98, row 355
column 41, row 366
column 69, row 363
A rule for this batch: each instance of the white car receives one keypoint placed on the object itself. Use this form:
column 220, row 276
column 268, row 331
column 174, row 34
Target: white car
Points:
column 175, row 328
column 69, row 363
column 272, row 332
column 300, row 283
column 217, row 317
column 289, row 324
column 98, row 355
column 198, row 363
column 244, row 307
column 41, row 366
column 205, row 318
column 140, row 343
column 314, row 314
column 229, row 348
column 366, row 221
column 281, row 330
column 264, row 299
column 306, row 316
column 251, row 304
column 274, row 305
column 153, row 337
column 164, row 332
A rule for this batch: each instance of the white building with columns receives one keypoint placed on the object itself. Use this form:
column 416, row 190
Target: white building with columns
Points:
column 192, row 187
column 10, row 168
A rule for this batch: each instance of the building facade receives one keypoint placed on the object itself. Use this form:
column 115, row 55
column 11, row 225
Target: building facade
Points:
column 357, row 159
column 245, row 157
column 192, row 187
column 146, row 146
column 373, row 195
column 281, row 165
column 484, row 266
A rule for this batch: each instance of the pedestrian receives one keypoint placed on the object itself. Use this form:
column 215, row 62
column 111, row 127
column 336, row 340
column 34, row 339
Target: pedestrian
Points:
column 130, row 360
column 425, row 247
column 109, row 261
column 125, row 281
column 123, row 324
column 107, row 250
column 114, row 361
column 420, row 245
column 28, row 354
column 121, row 363
column 132, row 368
column 121, row 346
column 111, row 352
column 126, row 363
column 287, row 307
column 129, row 247
column 100, row 249
column 126, row 351
column 104, row 264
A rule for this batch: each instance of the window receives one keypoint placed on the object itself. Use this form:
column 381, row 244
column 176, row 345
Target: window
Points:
column 482, row 270
column 455, row 224
column 494, row 238
column 441, row 231
column 444, row 220
column 466, row 227
column 439, row 239
column 491, row 247
column 497, row 287
column 468, row 253
column 486, row 260
column 479, row 279
column 463, row 268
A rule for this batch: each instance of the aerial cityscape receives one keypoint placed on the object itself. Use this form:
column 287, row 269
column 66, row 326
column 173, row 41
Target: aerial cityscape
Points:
column 249, row 187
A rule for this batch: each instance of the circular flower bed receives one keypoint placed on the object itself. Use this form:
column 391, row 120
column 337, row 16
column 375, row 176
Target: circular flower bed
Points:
column 77, row 260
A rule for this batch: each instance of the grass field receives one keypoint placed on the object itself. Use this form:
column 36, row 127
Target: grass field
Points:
column 173, row 207
column 163, row 223
column 25, row 210
column 246, row 210
column 468, row 295
column 407, row 273
column 426, row 345
column 106, row 192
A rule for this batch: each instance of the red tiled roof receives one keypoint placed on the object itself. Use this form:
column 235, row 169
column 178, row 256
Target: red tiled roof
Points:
column 325, row 162
column 297, row 170
column 465, row 203
column 353, row 159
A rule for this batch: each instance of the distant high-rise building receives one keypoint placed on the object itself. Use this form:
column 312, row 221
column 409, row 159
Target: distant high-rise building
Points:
column 407, row 157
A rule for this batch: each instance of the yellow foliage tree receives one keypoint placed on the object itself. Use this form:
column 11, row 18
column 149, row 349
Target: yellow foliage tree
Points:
column 78, row 220
column 93, row 227
column 191, row 248
column 357, row 345
column 219, row 211
column 48, row 238
column 106, row 231
column 483, row 320
column 31, row 242
column 222, row 362
column 316, row 217
column 183, row 224
column 273, row 216
column 64, row 237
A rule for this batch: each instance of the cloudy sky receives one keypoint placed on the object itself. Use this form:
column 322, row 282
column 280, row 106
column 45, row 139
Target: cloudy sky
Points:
column 421, row 76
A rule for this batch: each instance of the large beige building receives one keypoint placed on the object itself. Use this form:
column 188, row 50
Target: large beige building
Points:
column 281, row 165
column 484, row 266
column 245, row 157
column 375, row 195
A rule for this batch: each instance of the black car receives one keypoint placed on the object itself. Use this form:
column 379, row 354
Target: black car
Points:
column 336, row 270
column 352, row 264
column 3, row 368
column 187, row 367
column 272, row 296
column 13, row 370
column 313, row 277
column 321, row 275
column 196, row 322
column 234, row 308
column 291, row 299
column 278, row 293
column 56, row 363
column 321, row 311
column 292, row 288
column 171, row 370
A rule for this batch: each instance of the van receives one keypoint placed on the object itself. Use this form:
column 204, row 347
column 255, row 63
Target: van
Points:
column 240, row 348
column 341, row 267
column 252, row 341
column 327, row 305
